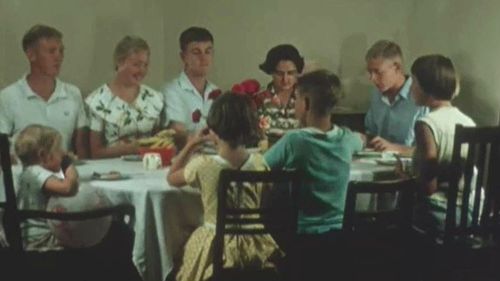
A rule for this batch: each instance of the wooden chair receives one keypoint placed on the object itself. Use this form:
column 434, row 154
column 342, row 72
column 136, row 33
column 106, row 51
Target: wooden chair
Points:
column 109, row 260
column 377, row 241
column 470, row 248
column 278, row 217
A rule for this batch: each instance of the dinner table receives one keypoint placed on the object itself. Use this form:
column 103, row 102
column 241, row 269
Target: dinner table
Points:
column 165, row 216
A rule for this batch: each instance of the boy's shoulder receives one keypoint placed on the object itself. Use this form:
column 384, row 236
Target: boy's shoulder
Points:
column 296, row 135
column 335, row 132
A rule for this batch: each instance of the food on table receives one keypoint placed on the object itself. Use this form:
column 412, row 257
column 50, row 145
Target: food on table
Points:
column 111, row 175
column 163, row 139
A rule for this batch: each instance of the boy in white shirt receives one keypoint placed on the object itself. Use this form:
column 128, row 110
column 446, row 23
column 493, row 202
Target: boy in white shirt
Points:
column 39, row 97
column 187, row 98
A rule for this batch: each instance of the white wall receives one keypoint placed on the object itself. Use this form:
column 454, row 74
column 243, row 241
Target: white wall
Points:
column 91, row 29
column 467, row 32
column 332, row 33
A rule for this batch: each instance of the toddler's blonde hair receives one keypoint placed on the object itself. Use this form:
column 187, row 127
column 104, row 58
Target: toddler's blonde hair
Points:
column 35, row 139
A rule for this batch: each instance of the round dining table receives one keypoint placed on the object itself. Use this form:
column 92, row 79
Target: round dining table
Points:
column 165, row 216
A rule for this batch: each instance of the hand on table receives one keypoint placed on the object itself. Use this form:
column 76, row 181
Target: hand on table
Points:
column 381, row 144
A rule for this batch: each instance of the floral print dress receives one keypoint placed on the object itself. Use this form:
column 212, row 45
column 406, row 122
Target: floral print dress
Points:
column 279, row 117
column 120, row 121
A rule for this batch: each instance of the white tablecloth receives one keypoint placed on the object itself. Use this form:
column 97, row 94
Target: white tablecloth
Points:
column 165, row 216
column 366, row 169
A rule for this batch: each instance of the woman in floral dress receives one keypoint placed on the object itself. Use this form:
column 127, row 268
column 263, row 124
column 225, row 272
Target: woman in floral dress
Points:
column 124, row 110
column 284, row 64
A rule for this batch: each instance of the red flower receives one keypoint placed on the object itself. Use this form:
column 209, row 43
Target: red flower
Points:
column 250, row 86
column 238, row 89
column 259, row 100
column 196, row 116
column 266, row 94
column 214, row 94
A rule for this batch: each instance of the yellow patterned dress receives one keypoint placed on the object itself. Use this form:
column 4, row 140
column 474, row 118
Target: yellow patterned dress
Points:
column 256, row 251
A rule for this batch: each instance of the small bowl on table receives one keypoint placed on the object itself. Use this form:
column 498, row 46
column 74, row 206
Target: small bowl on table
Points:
column 166, row 153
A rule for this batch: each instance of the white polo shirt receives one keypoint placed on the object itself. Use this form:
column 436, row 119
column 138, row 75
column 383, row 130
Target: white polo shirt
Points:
column 182, row 100
column 20, row 107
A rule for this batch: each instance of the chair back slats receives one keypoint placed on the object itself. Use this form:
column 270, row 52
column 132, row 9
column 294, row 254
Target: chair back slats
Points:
column 246, row 211
column 125, row 209
column 468, row 168
column 14, row 216
column 483, row 164
column 235, row 217
column 476, row 179
column 491, row 207
column 11, row 219
column 400, row 216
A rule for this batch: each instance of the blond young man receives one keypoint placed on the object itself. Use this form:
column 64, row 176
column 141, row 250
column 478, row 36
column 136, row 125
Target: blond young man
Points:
column 39, row 97
column 392, row 114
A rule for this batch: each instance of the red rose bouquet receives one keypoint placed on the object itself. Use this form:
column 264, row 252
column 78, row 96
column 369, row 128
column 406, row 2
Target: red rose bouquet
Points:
column 251, row 88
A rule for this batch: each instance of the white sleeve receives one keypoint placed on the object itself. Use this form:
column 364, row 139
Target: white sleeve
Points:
column 174, row 108
column 82, row 118
column 6, row 121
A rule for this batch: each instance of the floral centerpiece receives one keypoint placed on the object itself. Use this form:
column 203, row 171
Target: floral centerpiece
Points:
column 260, row 100
column 275, row 118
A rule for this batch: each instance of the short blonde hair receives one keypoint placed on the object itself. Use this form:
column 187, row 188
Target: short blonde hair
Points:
column 385, row 49
column 33, row 140
column 127, row 46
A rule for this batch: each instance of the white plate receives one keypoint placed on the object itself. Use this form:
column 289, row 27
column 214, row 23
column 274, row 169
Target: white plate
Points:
column 131, row 157
column 212, row 150
column 109, row 176
column 387, row 162
column 369, row 153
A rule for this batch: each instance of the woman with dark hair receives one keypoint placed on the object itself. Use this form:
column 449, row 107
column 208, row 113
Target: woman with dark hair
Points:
column 284, row 64
column 231, row 122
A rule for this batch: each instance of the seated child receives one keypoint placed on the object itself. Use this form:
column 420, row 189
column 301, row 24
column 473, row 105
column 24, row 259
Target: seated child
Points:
column 232, row 123
column 322, row 152
column 435, row 84
column 40, row 150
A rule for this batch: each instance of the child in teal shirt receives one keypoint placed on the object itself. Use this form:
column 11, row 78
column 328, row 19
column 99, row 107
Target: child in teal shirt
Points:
column 322, row 152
